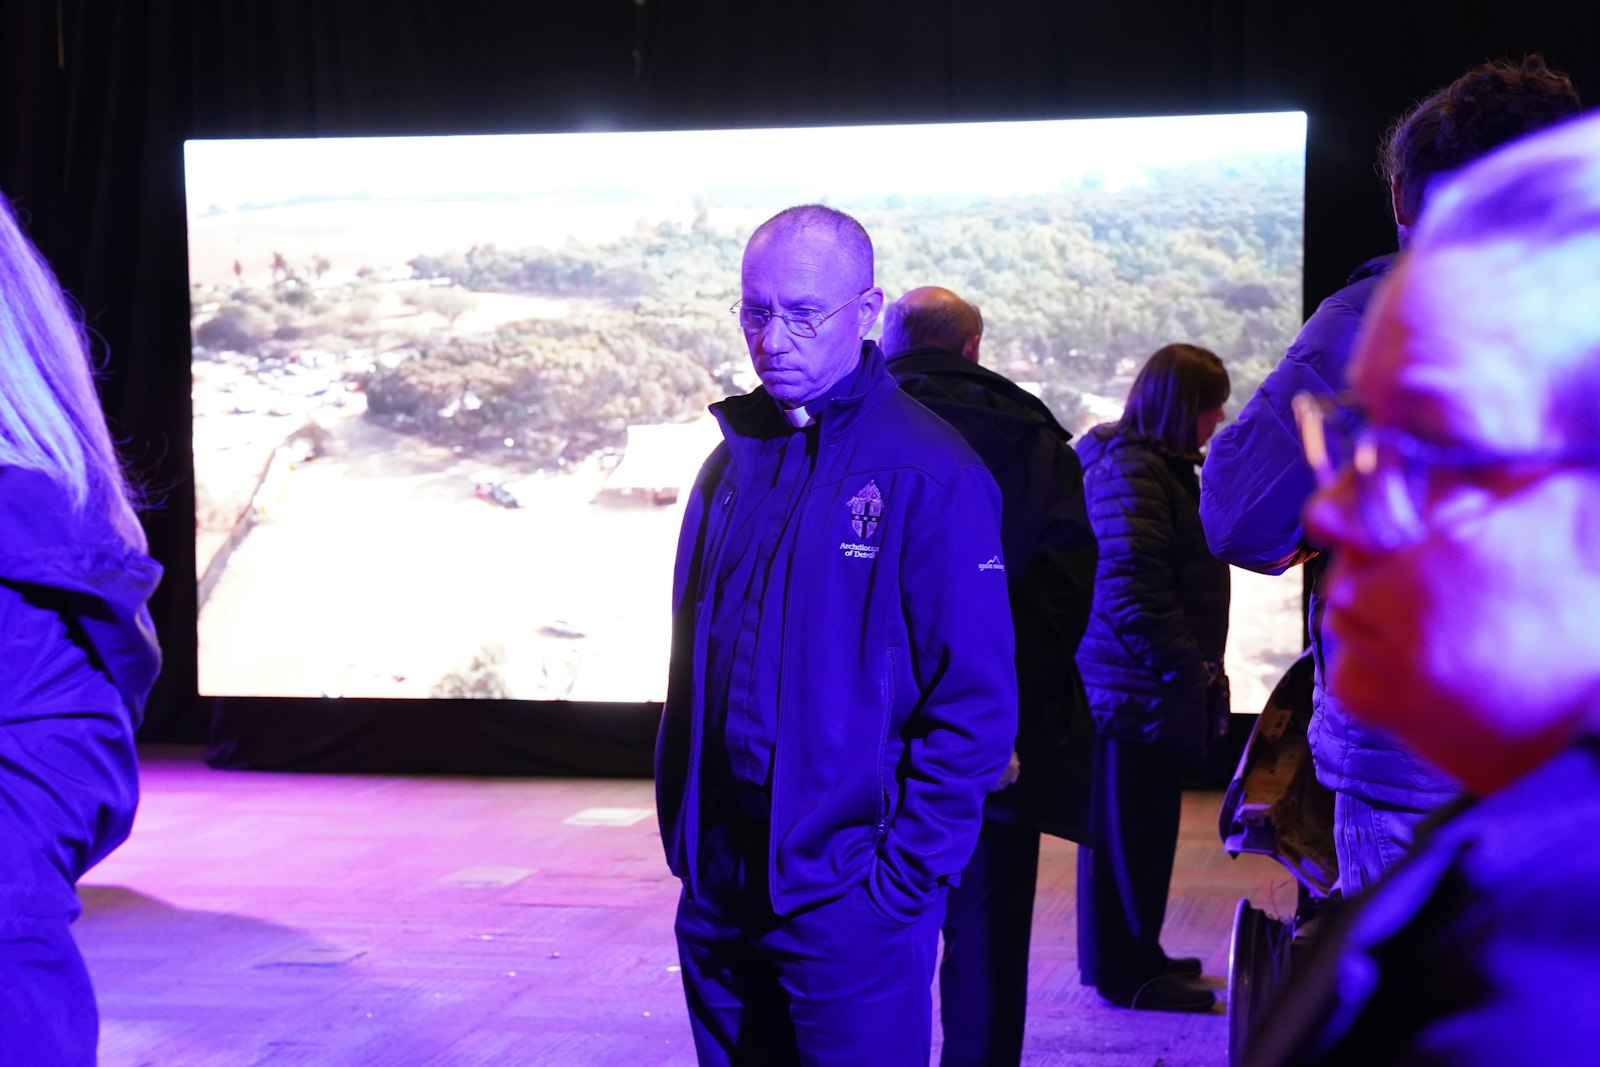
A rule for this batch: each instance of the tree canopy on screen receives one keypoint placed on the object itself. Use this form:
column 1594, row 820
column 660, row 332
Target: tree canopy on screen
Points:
column 548, row 390
column 1077, row 288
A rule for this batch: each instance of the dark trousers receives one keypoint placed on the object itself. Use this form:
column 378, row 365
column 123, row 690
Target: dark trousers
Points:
column 983, row 978
column 47, row 1010
column 68, row 788
column 1123, row 879
column 841, row 984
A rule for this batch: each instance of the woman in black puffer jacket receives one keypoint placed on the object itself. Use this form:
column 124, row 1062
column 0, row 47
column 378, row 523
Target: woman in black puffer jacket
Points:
column 1150, row 659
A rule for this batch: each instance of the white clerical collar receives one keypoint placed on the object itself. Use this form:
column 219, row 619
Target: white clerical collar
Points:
column 798, row 416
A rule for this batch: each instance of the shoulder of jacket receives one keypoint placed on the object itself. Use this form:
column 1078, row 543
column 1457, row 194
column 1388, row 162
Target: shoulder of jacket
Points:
column 1129, row 453
column 907, row 427
column 1131, row 468
column 1356, row 293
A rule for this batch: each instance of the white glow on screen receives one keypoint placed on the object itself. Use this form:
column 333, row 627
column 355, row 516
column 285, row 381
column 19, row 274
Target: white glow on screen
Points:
column 1014, row 158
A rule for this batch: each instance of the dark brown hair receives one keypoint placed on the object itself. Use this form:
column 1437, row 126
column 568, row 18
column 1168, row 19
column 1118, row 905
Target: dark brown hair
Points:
column 1490, row 104
column 1175, row 384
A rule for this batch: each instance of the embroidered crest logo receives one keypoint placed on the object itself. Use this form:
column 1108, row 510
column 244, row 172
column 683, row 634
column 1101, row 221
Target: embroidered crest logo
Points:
column 866, row 508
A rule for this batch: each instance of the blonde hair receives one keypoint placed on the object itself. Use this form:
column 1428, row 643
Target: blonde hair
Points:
column 50, row 417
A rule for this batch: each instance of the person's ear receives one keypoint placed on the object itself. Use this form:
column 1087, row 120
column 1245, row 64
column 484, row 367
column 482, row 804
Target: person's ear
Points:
column 867, row 309
column 970, row 349
column 1397, row 203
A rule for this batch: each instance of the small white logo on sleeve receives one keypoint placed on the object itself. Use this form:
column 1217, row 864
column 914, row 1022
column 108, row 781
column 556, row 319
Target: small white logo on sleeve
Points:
column 994, row 564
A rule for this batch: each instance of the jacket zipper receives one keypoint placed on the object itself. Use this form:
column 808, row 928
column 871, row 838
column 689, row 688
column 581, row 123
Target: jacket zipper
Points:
column 794, row 520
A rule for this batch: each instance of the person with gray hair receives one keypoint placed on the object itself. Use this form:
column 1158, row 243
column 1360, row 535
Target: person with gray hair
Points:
column 1460, row 494
column 841, row 695
column 77, row 656
column 1257, row 481
column 931, row 337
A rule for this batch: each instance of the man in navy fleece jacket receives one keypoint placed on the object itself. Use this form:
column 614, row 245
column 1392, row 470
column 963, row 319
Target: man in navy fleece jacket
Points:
column 842, row 692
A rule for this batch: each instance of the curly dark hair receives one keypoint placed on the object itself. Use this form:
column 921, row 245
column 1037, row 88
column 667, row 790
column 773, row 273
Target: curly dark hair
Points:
column 1490, row 104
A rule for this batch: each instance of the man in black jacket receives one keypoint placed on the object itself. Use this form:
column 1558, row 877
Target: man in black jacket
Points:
column 931, row 337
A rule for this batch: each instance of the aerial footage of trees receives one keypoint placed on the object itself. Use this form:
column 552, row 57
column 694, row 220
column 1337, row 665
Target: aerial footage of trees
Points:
column 1076, row 287
column 369, row 370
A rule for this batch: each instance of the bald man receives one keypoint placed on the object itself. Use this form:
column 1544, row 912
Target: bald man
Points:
column 932, row 338
column 934, row 320
column 841, row 694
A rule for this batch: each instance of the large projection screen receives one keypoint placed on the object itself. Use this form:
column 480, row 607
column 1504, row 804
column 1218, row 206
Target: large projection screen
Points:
column 449, row 391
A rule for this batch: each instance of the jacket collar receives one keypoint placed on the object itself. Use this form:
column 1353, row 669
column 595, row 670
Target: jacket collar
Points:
column 1376, row 266
column 1095, row 444
column 954, row 367
column 755, row 416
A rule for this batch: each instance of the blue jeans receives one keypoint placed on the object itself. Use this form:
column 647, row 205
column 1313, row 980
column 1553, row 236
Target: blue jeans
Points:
column 1368, row 839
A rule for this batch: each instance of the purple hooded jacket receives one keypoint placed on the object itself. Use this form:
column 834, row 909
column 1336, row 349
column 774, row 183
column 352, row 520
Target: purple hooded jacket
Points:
column 78, row 656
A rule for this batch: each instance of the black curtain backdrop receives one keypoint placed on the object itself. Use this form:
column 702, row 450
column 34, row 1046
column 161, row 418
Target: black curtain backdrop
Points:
column 96, row 99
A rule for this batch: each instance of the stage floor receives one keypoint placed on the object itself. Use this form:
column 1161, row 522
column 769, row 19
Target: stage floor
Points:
column 288, row 919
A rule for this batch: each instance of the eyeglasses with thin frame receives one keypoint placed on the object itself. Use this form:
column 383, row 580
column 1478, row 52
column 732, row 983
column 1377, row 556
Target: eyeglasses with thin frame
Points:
column 1394, row 470
column 753, row 320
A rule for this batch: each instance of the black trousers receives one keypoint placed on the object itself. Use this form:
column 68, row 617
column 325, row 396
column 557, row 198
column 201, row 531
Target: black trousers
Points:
column 1124, row 878
column 983, row 977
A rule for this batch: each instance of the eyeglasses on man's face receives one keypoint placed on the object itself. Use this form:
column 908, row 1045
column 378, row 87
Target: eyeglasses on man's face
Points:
column 1396, row 475
column 804, row 322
